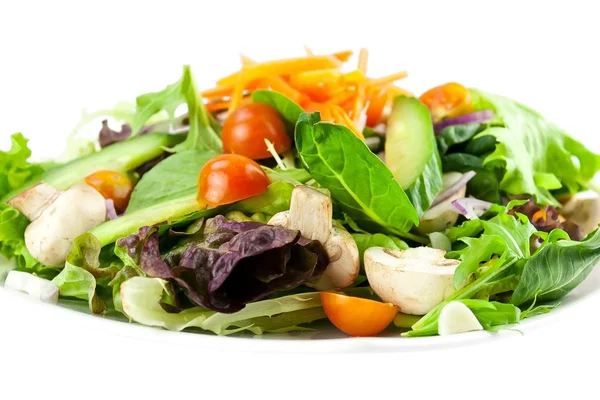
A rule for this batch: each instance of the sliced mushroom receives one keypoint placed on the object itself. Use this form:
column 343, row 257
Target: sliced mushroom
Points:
column 311, row 212
column 584, row 209
column 57, row 218
column 456, row 317
column 416, row 280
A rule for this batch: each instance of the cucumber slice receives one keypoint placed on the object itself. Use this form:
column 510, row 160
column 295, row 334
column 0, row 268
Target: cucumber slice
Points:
column 410, row 142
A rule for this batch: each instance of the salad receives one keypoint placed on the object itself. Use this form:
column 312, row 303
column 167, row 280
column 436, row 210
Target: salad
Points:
column 303, row 192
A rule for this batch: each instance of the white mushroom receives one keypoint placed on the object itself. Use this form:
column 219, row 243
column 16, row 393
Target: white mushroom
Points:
column 416, row 280
column 57, row 218
column 456, row 317
column 36, row 287
column 311, row 212
column 443, row 215
column 584, row 209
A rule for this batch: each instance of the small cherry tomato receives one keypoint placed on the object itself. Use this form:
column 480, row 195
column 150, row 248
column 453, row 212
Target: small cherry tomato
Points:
column 228, row 178
column 112, row 185
column 356, row 316
column 247, row 127
column 447, row 101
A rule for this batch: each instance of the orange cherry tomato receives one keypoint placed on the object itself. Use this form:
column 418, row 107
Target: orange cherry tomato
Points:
column 356, row 316
column 247, row 127
column 447, row 101
column 114, row 186
column 228, row 178
column 377, row 104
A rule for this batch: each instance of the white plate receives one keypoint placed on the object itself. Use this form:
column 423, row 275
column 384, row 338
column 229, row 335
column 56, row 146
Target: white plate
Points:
column 325, row 341
column 111, row 88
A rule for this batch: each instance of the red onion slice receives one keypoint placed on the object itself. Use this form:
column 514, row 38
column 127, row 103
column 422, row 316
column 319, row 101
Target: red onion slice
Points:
column 111, row 212
column 471, row 208
column 475, row 117
column 451, row 191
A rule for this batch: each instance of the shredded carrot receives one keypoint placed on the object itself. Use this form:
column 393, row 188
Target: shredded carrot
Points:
column 388, row 79
column 343, row 96
column 330, row 76
column 279, row 85
column 290, row 66
column 342, row 118
column 222, row 91
column 236, row 98
column 223, row 105
column 343, row 56
column 359, row 101
column 354, row 77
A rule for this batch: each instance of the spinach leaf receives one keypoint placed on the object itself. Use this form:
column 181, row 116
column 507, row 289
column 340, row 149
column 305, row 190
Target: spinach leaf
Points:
column 489, row 314
column 427, row 186
column 202, row 134
column 456, row 134
column 362, row 185
column 536, row 154
column 174, row 177
column 485, row 185
column 556, row 269
column 287, row 108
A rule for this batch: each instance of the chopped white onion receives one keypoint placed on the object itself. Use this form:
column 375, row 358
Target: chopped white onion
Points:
column 39, row 288
column 471, row 208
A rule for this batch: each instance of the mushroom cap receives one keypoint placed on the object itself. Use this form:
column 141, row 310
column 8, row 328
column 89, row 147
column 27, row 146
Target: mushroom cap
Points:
column 50, row 237
column 416, row 280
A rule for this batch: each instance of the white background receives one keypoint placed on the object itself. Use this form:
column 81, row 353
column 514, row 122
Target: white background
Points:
column 57, row 58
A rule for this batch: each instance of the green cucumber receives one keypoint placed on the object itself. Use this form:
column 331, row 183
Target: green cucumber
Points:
column 411, row 152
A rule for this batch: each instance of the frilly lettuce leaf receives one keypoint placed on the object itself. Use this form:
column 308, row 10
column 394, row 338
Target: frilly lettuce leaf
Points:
column 141, row 299
column 537, row 154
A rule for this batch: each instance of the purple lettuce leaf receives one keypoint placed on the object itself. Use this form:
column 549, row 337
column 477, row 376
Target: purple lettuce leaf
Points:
column 234, row 264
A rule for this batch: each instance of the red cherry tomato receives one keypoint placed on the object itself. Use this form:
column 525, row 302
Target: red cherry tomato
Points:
column 112, row 185
column 247, row 127
column 228, row 178
column 447, row 101
column 356, row 316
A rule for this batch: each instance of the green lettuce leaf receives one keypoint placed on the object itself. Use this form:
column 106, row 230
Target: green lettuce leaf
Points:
column 536, row 154
column 203, row 131
column 78, row 283
column 15, row 169
column 141, row 299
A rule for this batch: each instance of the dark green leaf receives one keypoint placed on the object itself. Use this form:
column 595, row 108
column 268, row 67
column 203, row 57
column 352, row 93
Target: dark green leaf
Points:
column 362, row 185
column 456, row 134
column 172, row 178
column 556, row 269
